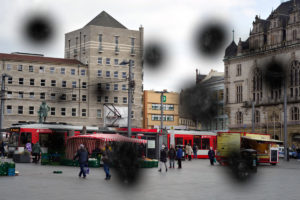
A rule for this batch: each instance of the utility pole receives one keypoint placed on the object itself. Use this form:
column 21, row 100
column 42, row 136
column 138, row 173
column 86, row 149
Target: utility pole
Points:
column 130, row 86
column 286, row 156
column 253, row 118
column 2, row 101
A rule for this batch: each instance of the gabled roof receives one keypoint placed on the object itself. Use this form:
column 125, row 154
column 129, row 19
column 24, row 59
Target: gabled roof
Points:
column 28, row 58
column 231, row 50
column 104, row 19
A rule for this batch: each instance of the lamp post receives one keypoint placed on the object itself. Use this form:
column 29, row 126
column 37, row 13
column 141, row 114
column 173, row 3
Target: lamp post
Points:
column 158, row 139
column 3, row 76
column 130, row 87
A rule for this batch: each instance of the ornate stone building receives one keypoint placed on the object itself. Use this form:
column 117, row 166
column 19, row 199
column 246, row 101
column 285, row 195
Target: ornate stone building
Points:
column 276, row 38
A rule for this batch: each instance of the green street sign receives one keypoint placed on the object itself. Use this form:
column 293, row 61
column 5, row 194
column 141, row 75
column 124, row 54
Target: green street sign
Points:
column 164, row 98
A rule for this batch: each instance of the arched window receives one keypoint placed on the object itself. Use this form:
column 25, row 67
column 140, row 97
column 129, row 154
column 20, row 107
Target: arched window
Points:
column 239, row 117
column 257, row 116
column 257, row 84
column 294, row 79
column 295, row 113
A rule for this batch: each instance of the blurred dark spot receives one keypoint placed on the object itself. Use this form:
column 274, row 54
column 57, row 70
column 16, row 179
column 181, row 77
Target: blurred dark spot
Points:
column 154, row 55
column 274, row 74
column 39, row 29
column 126, row 163
column 210, row 39
column 199, row 104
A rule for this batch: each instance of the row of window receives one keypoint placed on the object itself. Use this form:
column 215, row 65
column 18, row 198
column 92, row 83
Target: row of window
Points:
column 165, row 117
column 116, row 99
column 43, row 83
column 156, row 106
column 115, row 74
column 42, row 69
column 108, row 61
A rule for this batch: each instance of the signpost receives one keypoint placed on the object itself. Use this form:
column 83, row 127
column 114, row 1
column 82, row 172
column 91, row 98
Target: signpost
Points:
column 164, row 98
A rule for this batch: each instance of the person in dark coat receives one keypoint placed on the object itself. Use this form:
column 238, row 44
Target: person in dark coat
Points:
column 36, row 152
column 163, row 158
column 179, row 155
column 83, row 157
column 211, row 155
column 195, row 149
column 106, row 157
column 172, row 156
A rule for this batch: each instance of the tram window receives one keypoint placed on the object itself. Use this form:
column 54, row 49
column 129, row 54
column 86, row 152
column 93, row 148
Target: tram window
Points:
column 14, row 139
column 178, row 141
column 25, row 137
column 197, row 141
column 44, row 140
column 205, row 143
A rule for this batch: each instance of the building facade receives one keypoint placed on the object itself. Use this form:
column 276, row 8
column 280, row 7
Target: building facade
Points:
column 275, row 39
column 88, row 87
column 102, row 45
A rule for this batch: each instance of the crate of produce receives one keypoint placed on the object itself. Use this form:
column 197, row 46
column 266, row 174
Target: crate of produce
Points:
column 11, row 172
column 154, row 163
column 93, row 162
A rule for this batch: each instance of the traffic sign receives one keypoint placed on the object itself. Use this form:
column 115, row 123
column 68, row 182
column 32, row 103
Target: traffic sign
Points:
column 164, row 98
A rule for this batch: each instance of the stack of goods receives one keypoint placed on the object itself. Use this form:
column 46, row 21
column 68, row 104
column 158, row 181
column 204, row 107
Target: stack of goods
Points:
column 7, row 169
column 94, row 162
column 148, row 163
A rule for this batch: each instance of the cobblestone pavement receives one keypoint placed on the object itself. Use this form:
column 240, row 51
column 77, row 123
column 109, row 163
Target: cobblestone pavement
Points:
column 196, row 180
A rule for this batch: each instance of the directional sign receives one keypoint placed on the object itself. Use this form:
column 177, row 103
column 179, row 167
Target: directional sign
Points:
column 164, row 98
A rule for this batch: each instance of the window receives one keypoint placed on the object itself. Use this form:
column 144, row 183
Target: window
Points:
column 116, row 74
column 52, row 96
column 294, row 34
column 239, row 70
column 31, row 81
column 52, row 70
column 116, row 61
column 9, row 109
column 123, row 87
column 21, row 95
column 116, row 87
column 30, row 68
column 132, row 46
column 107, row 86
column 62, row 71
column 64, row 83
column 21, row 81
column 73, row 112
column 239, row 117
column 20, row 110
column 99, row 99
column 99, row 113
column 124, row 99
column 42, row 95
column 8, row 67
column 73, row 84
column 52, row 111
column 9, row 94
column 72, row 71
column 74, row 97
column 63, row 111
column 205, row 143
column 63, row 97
column 295, row 113
column 43, row 82
column 100, row 42
column 165, row 117
column 99, row 73
column 107, row 61
column 83, row 84
column 31, row 110
column 115, row 99
column 239, row 94
column 20, row 68
column 53, row 83
column 100, row 61
column 116, row 43
column 132, row 114
column 42, row 69
column 83, row 112
column 82, row 72
column 257, row 85
column 99, row 86
column 257, row 116
column 9, row 80
column 107, row 73
column 106, row 99
column 124, row 75
column 83, row 97
column 31, row 95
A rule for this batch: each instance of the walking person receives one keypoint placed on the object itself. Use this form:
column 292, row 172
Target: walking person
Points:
column 195, row 149
column 179, row 155
column 211, row 155
column 163, row 158
column 106, row 156
column 186, row 151
column 36, row 152
column 83, row 157
column 172, row 156
column 189, row 152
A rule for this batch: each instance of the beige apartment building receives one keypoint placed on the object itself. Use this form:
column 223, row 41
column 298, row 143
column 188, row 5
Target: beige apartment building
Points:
column 275, row 38
column 88, row 87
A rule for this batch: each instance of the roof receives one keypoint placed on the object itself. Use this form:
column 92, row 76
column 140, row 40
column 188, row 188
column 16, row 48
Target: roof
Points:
column 29, row 58
column 231, row 50
column 104, row 19
column 262, row 139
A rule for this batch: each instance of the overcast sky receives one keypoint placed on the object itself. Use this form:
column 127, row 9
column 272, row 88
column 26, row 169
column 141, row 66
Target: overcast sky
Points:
column 171, row 22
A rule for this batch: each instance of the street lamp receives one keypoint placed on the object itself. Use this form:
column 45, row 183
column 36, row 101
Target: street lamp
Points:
column 3, row 76
column 130, row 86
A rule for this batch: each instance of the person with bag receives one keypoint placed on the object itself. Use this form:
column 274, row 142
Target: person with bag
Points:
column 106, row 161
column 179, row 155
column 36, row 152
column 189, row 151
column 195, row 149
column 211, row 155
column 163, row 158
column 83, row 157
column 172, row 156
